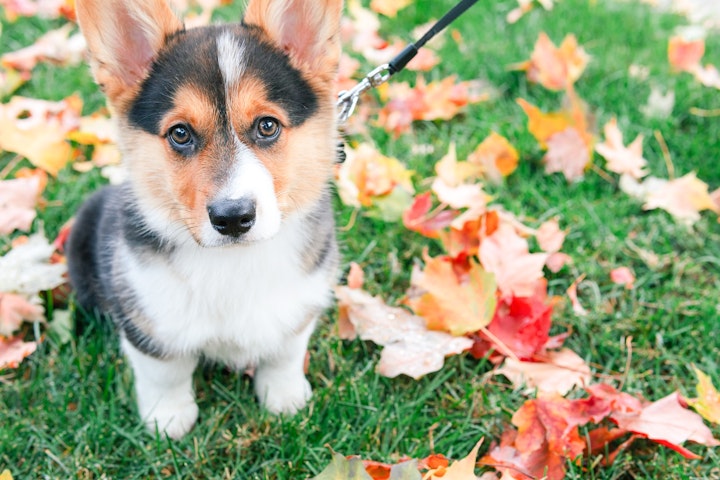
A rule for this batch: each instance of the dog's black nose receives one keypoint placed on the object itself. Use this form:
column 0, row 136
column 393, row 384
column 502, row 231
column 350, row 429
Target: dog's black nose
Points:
column 232, row 217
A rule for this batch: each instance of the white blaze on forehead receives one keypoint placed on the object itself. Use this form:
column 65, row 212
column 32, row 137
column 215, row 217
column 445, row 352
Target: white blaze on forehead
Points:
column 231, row 58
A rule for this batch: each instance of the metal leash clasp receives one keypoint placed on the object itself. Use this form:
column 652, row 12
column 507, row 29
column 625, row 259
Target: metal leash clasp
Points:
column 348, row 99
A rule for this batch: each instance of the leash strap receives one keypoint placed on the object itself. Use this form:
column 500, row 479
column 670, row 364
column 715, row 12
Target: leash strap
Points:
column 348, row 99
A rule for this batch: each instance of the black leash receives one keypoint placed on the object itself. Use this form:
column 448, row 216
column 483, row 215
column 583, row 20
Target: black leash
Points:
column 348, row 99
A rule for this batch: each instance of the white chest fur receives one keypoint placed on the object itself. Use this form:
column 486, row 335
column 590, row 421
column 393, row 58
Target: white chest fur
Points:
column 236, row 305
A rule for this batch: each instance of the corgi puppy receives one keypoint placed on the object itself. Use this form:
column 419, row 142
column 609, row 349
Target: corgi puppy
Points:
column 221, row 243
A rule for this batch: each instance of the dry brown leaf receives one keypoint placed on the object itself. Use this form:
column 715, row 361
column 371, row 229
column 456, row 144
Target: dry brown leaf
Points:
column 410, row 348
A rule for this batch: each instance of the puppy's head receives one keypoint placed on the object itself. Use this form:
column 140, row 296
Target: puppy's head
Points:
column 226, row 130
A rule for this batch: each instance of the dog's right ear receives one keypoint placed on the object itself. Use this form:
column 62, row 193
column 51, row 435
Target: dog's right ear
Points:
column 124, row 37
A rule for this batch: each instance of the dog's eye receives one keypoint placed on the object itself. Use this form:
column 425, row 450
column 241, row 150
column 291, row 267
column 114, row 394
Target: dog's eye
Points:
column 268, row 128
column 180, row 136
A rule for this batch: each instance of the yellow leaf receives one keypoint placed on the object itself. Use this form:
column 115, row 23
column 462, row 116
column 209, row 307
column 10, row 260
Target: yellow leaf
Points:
column 462, row 469
column 389, row 8
column 544, row 125
column 452, row 172
column 708, row 402
column 6, row 475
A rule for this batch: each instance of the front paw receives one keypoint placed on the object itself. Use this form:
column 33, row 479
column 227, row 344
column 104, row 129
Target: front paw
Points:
column 173, row 418
column 282, row 395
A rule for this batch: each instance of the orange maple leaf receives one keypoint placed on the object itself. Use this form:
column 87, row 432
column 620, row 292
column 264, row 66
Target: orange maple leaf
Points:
column 452, row 304
column 440, row 100
column 496, row 157
column 555, row 68
column 563, row 134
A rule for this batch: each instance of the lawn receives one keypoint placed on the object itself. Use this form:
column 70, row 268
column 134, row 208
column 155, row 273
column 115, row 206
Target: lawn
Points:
column 67, row 411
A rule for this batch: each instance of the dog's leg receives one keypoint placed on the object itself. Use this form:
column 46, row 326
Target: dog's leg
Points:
column 280, row 382
column 164, row 391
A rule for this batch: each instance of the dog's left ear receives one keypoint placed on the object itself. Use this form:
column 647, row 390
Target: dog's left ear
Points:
column 124, row 37
column 307, row 30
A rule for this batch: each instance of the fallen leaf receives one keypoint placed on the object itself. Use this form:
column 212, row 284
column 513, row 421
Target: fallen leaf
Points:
column 685, row 51
column 36, row 129
column 342, row 468
column 567, row 150
column 367, row 175
column 668, row 423
column 56, row 46
column 389, row 8
column 496, row 157
column 17, row 203
column 13, row 351
column 568, row 154
column 555, row 68
column 684, row 198
column 451, row 304
column 439, row 100
column 522, row 324
column 40, row 8
column 6, row 475
column 410, row 348
column 659, row 105
column 453, row 172
column 419, row 217
column 621, row 159
column 623, row 276
column 26, row 269
column 708, row 402
column 11, row 80
column 462, row 469
column 506, row 254
column 16, row 309
column 356, row 276
column 547, row 437
column 574, row 301
column 549, row 236
column 559, row 372
column 524, row 6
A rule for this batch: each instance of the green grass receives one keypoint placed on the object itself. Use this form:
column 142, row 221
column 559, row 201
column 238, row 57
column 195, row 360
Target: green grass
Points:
column 68, row 411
